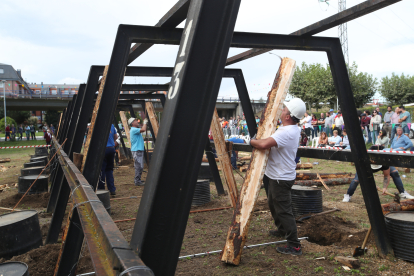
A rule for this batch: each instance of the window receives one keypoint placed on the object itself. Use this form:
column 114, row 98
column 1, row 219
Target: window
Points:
column 1, row 71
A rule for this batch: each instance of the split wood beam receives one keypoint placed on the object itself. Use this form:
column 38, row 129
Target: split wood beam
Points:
column 126, row 127
column 327, row 181
column 221, row 149
column 237, row 234
column 300, row 175
column 94, row 113
column 152, row 117
column 60, row 120
column 406, row 205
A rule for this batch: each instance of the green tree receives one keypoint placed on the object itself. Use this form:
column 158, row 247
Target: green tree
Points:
column 10, row 122
column 398, row 89
column 363, row 86
column 314, row 84
column 52, row 117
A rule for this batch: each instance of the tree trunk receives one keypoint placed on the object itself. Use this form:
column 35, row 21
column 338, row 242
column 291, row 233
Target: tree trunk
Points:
column 304, row 166
column 406, row 205
column 237, row 234
column 310, row 176
column 328, row 181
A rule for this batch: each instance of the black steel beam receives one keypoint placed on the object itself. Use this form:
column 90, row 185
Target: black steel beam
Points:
column 171, row 19
column 121, row 138
column 169, row 189
column 403, row 160
column 144, row 87
column 323, row 25
column 214, row 169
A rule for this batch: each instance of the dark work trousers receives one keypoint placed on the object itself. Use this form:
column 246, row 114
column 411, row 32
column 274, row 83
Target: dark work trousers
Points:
column 394, row 175
column 280, row 204
column 33, row 135
column 108, row 170
column 233, row 160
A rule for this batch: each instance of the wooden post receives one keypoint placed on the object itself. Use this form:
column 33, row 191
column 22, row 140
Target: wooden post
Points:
column 60, row 120
column 323, row 183
column 237, row 234
column 220, row 145
column 152, row 117
column 94, row 113
column 126, row 127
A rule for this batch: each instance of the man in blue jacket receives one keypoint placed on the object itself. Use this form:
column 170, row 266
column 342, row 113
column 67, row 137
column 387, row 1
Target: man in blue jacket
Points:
column 107, row 171
column 137, row 147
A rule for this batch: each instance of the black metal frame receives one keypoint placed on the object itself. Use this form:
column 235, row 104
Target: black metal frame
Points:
column 166, row 201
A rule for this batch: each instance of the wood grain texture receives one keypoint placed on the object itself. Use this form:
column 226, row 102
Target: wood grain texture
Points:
column 152, row 117
column 237, row 234
column 220, row 145
column 125, row 125
column 94, row 114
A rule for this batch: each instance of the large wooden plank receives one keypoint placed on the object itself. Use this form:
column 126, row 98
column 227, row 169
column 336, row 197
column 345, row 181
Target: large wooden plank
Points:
column 222, row 154
column 237, row 234
column 94, row 113
column 152, row 117
column 126, row 127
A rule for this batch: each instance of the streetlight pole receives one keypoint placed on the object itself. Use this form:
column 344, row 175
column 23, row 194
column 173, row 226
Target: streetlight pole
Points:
column 4, row 95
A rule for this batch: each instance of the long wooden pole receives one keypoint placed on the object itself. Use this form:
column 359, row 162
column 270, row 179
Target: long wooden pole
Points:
column 152, row 117
column 94, row 114
column 237, row 234
column 126, row 127
column 222, row 154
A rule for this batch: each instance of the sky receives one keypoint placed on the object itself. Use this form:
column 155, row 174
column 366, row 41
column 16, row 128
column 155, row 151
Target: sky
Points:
column 58, row 41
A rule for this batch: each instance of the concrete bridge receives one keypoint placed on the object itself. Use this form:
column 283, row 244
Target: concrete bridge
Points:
column 226, row 107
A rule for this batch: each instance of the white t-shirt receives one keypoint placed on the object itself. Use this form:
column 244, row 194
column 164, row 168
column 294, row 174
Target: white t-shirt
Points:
column 308, row 121
column 281, row 164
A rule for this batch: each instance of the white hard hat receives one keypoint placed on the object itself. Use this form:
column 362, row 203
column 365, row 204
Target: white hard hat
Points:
column 131, row 120
column 296, row 107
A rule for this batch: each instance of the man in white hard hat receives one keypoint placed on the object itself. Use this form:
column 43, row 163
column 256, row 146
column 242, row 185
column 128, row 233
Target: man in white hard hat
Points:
column 280, row 173
column 137, row 148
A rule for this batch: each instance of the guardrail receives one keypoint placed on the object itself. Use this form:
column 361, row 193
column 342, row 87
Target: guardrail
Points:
column 109, row 251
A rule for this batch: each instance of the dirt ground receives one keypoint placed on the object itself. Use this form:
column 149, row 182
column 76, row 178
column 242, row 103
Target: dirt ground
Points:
column 334, row 234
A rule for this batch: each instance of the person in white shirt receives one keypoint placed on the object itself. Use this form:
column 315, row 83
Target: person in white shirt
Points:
column 308, row 124
column 339, row 122
column 280, row 173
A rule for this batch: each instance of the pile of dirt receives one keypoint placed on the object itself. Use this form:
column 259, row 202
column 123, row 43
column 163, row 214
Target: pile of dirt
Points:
column 327, row 230
column 32, row 201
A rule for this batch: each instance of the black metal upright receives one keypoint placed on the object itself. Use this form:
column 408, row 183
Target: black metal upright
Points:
column 168, row 193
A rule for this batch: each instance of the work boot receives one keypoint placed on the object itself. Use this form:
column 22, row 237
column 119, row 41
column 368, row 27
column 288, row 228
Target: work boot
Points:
column 405, row 195
column 277, row 233
column 297, row 251
column 347, row 198
column 113, row 193
column 140, row 184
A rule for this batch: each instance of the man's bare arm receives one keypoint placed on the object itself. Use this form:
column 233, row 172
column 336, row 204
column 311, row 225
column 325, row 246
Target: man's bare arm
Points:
column 263, row 144
column 143, row 128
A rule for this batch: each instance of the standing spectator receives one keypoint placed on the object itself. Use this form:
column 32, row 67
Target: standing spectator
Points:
column 32, row 132
column 395, row 118
column 321, row 123
column 405, row 119
column 387, row 120
column 315, row 128
column 52, row 129
column 339, row 122
column 231, row 126
column 44, row 128
column 7, row 133
column 13, row 133
column 257, row 121
column 107, row 172
column 21, row 132
column 120, row 126
column 48, row 137
column 244, row 126
column 224, row 125
column 238, row 124
column 378, row 111
column 335, row 140
column 137, row 148
column 332, row 112
column 27, row 132
column 365, row 121
column 308, row 124
column 328, row 124
column 374, row 126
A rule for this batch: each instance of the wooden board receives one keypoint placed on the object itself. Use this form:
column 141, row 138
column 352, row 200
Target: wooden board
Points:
column 237, row 234
column 152, row 117
column 126, row 127
column 94, row 114
column 220, row 145
column 60, row 120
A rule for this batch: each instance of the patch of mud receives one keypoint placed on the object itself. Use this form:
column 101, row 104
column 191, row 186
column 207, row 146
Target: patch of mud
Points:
column 328, row 230
column 32, row 201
